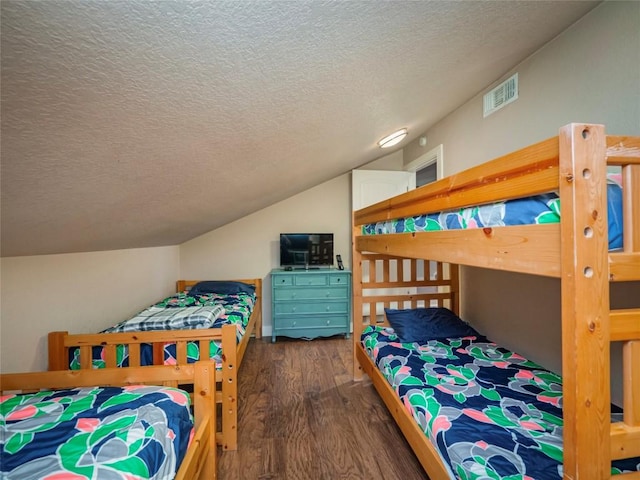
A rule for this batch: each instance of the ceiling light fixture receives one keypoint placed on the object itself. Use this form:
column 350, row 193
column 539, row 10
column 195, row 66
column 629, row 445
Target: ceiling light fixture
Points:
column 393, row 139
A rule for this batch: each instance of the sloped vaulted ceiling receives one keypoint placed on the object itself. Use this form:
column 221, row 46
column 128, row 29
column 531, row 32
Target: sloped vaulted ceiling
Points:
column 130, row 123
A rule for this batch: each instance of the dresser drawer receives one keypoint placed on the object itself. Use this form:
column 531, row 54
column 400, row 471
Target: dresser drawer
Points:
column 302, row 293
column 312, row 322
column 312, row 279
column 282, row 280
column 291, row 308
column 339, row 279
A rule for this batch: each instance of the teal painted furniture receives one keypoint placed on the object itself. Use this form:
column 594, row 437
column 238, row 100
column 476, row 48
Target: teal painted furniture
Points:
column 310, row 303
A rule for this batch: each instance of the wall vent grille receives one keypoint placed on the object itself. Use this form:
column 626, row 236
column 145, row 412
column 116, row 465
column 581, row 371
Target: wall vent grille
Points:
column 501, row 95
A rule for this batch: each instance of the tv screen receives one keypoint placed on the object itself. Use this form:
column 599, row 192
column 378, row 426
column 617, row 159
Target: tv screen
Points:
column 305, row 250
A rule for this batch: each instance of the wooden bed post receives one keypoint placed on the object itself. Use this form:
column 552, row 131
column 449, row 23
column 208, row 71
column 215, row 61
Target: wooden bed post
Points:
column 356, row 292
column 585, row 302
column 454, row 278
column 631, row 349
column 58, row 354
column 258, row 306
column 204, row 401
column 229, row 388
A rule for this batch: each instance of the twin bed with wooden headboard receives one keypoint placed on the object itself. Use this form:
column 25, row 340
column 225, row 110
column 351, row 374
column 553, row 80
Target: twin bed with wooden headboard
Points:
column 233, row 306
column 468, row 407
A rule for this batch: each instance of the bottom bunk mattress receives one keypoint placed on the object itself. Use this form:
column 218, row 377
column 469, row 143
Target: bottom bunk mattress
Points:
column 179, row 311
column 489, row 412
column 107, row 433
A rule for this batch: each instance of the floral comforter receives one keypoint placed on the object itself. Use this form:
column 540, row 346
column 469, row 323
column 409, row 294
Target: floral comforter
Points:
column 237, row 311
column 107, row 433
column 490, row 412
column 537, row 209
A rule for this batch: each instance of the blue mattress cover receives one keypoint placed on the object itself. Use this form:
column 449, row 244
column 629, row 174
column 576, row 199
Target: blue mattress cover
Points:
column 537, row 209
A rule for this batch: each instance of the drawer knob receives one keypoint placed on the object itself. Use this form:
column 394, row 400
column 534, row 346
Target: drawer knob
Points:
column 328, row 308
column 293, row 309
column 328, row 322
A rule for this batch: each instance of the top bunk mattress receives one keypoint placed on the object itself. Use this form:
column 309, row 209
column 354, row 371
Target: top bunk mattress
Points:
column 537, row 209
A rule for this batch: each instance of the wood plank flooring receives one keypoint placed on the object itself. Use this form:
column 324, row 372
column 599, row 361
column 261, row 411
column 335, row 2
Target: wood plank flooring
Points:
column 301, row 417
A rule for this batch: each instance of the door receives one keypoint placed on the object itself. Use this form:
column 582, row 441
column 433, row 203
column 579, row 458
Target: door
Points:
column 372, row 186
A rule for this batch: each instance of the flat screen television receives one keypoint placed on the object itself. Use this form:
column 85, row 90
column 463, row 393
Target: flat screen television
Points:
column 306, row 250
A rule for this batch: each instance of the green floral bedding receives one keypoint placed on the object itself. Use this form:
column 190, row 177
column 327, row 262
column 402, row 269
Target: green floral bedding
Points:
column 490, row 413
column 537, row 209
column 95, row 433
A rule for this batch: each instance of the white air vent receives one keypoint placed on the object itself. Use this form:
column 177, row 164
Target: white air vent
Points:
column 500, row 96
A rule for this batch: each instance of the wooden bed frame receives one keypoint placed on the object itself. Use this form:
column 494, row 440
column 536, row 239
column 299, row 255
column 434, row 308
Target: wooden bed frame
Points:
column 575, row 250
column 200, row 459
column 226, row 377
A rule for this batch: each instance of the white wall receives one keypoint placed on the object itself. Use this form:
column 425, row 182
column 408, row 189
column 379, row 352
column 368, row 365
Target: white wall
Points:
column 590, row 73
column 391, row 161
column 79, row 292
column 249, row 247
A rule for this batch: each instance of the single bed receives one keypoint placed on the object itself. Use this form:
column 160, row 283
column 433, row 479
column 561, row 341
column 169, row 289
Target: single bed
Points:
column 575, row 249
column 125, row 346
column 490, row 412
column 112, row 423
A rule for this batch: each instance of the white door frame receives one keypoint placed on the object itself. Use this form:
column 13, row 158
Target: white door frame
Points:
column 435, row 155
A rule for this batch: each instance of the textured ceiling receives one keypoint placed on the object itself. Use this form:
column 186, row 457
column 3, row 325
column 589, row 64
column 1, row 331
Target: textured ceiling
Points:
column 135, row 123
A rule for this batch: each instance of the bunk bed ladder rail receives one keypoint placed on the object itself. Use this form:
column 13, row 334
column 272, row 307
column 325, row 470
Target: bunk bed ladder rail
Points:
column 588, row 323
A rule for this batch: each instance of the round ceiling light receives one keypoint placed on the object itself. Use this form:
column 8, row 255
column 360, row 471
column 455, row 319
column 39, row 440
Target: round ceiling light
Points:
column 393, row 139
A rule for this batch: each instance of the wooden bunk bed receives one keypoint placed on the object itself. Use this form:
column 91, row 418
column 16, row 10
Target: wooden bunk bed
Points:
column 574, row 163
column 199, row 461
column 60, row 343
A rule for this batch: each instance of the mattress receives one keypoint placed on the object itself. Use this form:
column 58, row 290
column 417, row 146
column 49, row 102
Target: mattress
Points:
column 490, row 412
column 116, row 433
column 237, row 310
column 537, row 209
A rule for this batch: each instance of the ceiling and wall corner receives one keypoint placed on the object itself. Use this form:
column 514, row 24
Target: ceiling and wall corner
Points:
column 138, row 124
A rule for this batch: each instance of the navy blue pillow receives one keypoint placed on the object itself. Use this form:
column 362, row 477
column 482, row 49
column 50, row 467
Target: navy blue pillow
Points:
column 424, row 324
column 222, row 287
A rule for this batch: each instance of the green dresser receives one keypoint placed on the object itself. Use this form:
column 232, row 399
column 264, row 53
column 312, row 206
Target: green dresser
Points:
column 310, row 303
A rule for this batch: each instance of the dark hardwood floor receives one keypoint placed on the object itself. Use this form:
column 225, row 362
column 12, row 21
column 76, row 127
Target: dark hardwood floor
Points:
column 301, row 417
